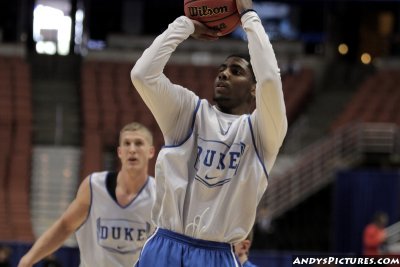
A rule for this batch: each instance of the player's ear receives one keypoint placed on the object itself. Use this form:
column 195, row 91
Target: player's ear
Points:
column 119, row 151
column 152, row 152
column 253, row 90
column 246, row 245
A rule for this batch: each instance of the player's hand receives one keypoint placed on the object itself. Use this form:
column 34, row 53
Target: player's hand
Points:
column 242, row 5
column 202, row 32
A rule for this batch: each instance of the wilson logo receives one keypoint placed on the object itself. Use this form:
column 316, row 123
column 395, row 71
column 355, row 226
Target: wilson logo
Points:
column 205, row 11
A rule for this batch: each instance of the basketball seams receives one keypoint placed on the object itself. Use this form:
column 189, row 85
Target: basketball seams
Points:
column 188, row 2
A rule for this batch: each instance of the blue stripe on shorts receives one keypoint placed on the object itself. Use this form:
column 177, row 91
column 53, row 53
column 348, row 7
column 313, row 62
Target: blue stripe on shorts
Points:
column 169, row 249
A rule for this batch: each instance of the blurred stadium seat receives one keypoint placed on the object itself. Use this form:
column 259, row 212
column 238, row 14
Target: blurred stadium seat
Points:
column 16, row 143
column 376, row 100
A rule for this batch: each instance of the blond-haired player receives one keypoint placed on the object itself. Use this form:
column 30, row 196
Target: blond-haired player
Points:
column 111, row 212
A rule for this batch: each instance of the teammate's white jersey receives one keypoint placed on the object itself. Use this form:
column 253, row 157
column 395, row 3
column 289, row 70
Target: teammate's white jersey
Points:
column 113, row 235
column 212, row 173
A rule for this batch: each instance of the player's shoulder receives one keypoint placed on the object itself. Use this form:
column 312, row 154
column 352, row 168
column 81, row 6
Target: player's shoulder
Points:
column 100, row 174
column 97, row 178
column 151, row 182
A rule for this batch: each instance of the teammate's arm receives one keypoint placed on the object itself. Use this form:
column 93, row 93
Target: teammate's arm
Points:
column 55, row 236
column 269, row 119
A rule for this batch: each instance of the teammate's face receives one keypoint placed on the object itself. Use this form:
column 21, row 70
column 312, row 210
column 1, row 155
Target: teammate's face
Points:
column 135, row 150
column 234, row 86
column 242, row 248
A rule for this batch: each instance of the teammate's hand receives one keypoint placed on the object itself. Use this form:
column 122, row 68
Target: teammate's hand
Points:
column 202, row 32
column 242, row 5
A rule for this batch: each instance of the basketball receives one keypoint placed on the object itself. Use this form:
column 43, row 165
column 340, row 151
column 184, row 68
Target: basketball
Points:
column 217, row 14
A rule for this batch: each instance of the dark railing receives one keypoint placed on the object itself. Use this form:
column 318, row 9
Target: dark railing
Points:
column 319, row 162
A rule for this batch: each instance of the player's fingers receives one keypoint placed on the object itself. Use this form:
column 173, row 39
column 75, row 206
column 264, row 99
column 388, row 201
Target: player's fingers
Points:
column 242, row 5
column 201, row 30
column 210, row 37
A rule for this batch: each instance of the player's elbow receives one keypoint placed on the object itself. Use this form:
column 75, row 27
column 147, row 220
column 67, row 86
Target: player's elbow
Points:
column 275, row 140
column 137, row 76
column 63, row 228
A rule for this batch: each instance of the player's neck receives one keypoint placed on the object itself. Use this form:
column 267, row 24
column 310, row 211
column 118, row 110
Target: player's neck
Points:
column 130, row 181
column 127, row 188
column 239, row 110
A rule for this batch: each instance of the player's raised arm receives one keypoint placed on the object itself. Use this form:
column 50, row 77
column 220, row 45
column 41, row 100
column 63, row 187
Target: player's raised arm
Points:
column 270, row 116
column 168, row 102
column 66, row 225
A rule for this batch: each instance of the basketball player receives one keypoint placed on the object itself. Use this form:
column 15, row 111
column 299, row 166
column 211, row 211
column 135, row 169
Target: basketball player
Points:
column 111, row 212
column 242, row 250
column 213, row 170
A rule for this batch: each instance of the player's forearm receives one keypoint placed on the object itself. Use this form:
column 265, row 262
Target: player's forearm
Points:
column 49, row 242
column 271, row 111
column 164, row 99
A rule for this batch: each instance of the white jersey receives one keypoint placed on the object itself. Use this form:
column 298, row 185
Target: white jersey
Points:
column 213, row 171
column 114, row 235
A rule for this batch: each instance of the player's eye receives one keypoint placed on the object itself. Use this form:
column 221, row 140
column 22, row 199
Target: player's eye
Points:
column 221, row 68
column 139, row 143
column 236, row 71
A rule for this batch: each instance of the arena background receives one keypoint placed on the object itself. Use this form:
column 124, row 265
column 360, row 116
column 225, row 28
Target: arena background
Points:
column 63, row 99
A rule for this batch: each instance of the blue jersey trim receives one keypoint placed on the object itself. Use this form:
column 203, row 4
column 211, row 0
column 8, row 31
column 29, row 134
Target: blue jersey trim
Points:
column 215, row 141
column 255, row 147
column 191, row 127
column 137, row 195
column 220, row 183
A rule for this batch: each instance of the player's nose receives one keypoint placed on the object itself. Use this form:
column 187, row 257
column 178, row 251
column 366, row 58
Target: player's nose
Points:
column 132, row 148
column 223, row 75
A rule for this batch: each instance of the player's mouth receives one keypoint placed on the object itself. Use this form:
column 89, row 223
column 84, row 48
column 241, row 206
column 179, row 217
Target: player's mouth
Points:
column 221, row 84
column 221, row 87
column 132, row 160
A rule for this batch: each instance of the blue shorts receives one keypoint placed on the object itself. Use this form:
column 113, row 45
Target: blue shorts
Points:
column 169, row 249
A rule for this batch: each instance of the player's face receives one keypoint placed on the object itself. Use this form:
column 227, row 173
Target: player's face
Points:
column 134, row 150
column 233, row 86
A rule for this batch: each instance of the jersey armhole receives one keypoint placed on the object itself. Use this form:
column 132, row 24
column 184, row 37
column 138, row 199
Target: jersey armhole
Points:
column 191, row 129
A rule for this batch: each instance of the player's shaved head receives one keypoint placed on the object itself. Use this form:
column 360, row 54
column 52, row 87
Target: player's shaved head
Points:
column 247, row 58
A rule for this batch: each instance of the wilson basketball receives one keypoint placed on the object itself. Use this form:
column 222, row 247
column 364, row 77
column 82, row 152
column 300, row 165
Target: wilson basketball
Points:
column 217, row 14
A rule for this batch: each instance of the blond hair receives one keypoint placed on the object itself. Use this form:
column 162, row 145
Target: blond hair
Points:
column 136, row 126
